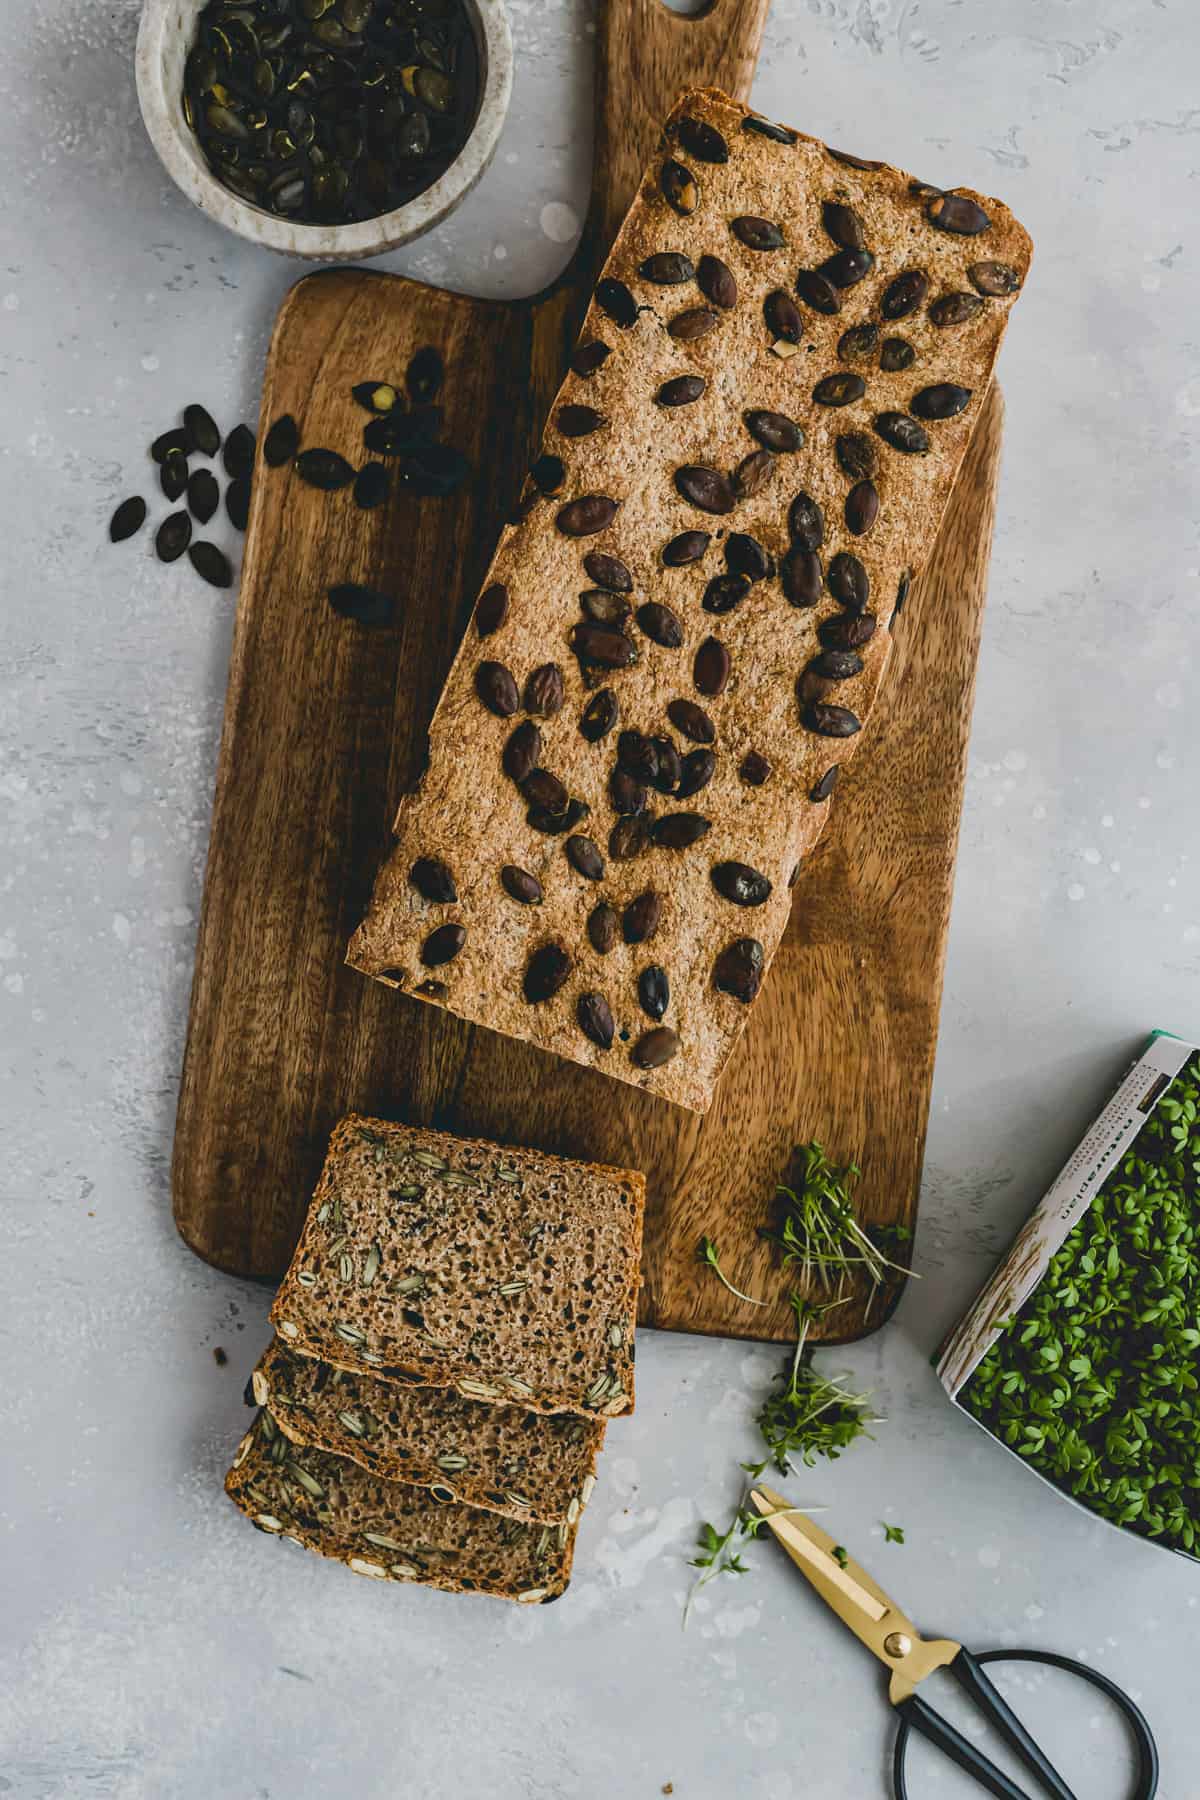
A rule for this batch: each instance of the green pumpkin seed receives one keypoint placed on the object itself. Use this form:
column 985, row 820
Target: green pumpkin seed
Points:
column 211, row 563
column 237, row 502
column 203, row 495
column 129, row 518
column 222, row 119
column 173, row 475
column 173, row 537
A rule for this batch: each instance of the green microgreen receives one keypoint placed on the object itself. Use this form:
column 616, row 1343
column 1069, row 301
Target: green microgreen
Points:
column 817, row 1228
column 840, row 1555
column 1096, row 1381
column 809, row 1414
column 719, row 1552
column 708, row 1254
column 892, row 1534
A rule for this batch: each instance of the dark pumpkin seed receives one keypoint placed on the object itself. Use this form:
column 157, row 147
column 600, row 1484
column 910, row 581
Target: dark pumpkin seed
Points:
column 740, row 883
column 830, row 721
column 175, row 442
column 818, row 292
column 654, row 991
column 850, row 161
column 548, row 474
column 366, row 606
column 837, row 665
column 626, row 794
column 587, row 515
column 238, row 452
column 688, row 547
column 129, row 518
column 783, row 316
column 544, row 790
column 603, row 928
column 553, row 824
column 996, row 279
column 802, row 577
column 201, row 428
column 679, row 831
column 443, row 945
column 897, row 353
column 433, row 881
column 717, row 282
column 587, row 358
column 375, row 396
column 955, row 309
column 849, row 632
column 599, row 715
column 862, row 508
column 521, row 885
column 545, row 973
column 942, row 401
column 497, row 689
column 203, row 495
column 710, row 670
column 173, row 537
column 701, row 140
column 604, row 608
column 826, row 785
column 848, row 582
column 681, row 390
column 754, row 768
column 956, row 213
column 396, row 433
column 738, row 970
column 667, row 268
column 629, row 838
column 744, row 555
column 173, row 476
column 904, row 295
column 599, row 644
column 846, row 268
column 680, row 189
column 724, row 592
column 211, row 564
column 616, row 302
column 424, row 375
column 841, row 389
column 752, row 474
column 584, row 856
column 594, row 1016
column 670, row 768
column 371, row 485
column 637, row 755
column 707, row 489
column 696, row 771
column 856, row 455
column 660, row 624
column 902, row 433
column 843, row 225
column 544, row 691
column 774, row 431
column 655, row 1048
column 692, row 721
column 806, row 523
column 491, row 609
column 641, row 918
column 578, row 421
column 520, row 754
column 434, row 470
column 608, row 572
column 756, row 233
column 324, row 469
column 778, row 134
column 695, row 323
column 859, row 344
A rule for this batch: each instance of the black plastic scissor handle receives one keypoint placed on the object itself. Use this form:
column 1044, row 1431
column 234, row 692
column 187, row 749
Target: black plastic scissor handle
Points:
column 917, row 1715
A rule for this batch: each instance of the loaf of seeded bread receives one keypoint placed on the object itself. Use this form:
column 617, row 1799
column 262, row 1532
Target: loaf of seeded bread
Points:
column 501, row 1458
column 389, row 1530
column 507, row 1274
column 678, row 645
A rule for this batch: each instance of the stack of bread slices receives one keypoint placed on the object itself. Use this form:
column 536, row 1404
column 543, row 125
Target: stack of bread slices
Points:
column 454, row 1332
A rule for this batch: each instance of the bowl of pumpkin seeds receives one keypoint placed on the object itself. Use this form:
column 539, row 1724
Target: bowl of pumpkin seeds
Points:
column 335, row 129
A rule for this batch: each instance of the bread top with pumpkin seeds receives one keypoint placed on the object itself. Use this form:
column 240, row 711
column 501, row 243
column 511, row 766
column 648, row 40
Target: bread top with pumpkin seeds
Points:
column 508, row 1274
column 388, row 1531
column 676, row 648
column 523, row 1464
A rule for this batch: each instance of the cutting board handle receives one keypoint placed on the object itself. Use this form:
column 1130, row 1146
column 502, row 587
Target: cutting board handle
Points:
column 645, row 55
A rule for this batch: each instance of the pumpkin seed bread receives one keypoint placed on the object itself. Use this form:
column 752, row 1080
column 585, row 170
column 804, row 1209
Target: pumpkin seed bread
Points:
column 508, row 1274
column 678, row 645
column 501, row 1458
column 388, row 1530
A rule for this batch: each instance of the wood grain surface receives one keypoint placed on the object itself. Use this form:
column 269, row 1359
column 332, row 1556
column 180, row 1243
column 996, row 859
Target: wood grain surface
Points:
column 325, row 727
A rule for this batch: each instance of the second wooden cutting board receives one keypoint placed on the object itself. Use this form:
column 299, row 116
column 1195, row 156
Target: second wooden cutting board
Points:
column 324, row 729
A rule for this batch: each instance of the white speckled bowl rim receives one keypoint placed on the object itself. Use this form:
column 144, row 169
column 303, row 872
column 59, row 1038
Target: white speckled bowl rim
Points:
column 164, row 38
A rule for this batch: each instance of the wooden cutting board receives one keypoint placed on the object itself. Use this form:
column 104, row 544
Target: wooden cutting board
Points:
column 325, row 728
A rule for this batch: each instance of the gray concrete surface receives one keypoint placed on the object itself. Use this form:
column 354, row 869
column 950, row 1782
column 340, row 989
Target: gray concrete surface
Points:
column 151, row 1644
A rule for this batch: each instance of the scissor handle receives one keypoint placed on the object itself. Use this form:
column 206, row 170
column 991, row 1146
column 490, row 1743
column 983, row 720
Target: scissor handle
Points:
column 917, row 1715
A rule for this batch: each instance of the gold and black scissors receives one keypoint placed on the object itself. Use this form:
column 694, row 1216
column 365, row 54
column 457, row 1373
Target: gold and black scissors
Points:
column 879, row 1623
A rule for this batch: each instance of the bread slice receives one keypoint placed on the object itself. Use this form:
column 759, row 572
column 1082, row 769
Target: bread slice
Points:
column 500, row 1458
column 633, row 753
column 508, row 1274
column 389, row 1530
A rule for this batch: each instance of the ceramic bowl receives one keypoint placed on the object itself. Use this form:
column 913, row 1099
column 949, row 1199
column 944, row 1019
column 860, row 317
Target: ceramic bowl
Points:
column 164, row 38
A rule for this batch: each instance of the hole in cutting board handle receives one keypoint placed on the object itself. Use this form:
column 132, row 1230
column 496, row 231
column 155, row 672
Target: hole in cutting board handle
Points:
column 689, row 9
